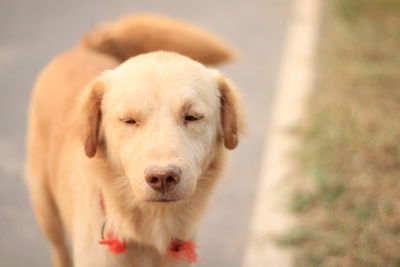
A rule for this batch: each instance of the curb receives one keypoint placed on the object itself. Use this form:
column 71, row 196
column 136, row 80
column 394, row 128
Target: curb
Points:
column 295, row 81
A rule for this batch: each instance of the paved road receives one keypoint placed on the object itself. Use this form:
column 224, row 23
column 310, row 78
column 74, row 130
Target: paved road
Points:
column 32, row 32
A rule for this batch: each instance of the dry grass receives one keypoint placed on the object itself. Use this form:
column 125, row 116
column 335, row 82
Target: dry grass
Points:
column 349, row 203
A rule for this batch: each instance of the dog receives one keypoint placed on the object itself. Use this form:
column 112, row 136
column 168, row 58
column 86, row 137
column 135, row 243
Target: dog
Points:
column 128, row 133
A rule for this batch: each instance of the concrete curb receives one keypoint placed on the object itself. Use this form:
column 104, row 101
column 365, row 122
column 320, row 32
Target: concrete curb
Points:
column 295, row 80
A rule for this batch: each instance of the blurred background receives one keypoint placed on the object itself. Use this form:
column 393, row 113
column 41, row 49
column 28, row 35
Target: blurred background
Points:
column 33, row 32
column 347, row 198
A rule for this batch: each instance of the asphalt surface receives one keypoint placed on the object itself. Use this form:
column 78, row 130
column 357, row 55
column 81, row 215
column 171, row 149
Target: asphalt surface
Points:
column 32, row 32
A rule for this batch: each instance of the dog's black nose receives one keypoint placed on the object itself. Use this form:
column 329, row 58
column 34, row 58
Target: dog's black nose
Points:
column 162, row 178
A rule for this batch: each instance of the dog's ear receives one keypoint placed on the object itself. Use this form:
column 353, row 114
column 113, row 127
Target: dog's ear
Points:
column 91, row 108
column 231, row 113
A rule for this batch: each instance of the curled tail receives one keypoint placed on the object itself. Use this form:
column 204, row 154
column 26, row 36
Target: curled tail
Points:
column 133, row 35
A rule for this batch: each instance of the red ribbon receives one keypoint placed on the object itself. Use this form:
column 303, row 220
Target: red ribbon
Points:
column 115, row 246
column 183, row 250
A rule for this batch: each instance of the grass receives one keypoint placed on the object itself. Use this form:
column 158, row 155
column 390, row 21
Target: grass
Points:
column 348, row 199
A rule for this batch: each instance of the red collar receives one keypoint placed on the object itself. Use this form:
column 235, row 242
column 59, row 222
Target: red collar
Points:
column 179, row 249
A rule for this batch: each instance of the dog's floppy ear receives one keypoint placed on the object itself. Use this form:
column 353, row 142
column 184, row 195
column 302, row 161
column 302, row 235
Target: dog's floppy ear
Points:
column 231, row 113
column 91, row 108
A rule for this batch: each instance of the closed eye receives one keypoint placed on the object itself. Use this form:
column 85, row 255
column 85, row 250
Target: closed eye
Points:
column 191, row 118
column 129, row 121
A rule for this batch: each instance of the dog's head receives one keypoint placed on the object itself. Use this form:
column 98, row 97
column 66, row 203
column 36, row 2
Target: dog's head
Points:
column 160, row 118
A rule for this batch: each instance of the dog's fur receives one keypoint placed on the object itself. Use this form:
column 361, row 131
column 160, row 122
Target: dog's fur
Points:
column 80, row 145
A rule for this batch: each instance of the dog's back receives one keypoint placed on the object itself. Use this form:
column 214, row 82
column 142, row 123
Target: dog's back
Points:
column 141, row 34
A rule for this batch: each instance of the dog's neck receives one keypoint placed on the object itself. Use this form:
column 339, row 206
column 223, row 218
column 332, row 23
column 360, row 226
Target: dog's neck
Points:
column 155, row 224
column 178, row 249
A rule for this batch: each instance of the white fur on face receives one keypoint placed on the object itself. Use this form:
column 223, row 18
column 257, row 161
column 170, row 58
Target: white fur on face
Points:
column 158, row 90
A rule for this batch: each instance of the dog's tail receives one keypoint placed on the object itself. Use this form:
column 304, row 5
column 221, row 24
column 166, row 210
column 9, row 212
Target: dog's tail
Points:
column 134, row 35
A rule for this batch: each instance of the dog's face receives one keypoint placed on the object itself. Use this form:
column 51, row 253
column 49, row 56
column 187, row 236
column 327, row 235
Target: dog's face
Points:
column 160, row 118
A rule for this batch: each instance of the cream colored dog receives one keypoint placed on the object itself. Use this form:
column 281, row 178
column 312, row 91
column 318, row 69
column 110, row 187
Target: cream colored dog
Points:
column 124, row 156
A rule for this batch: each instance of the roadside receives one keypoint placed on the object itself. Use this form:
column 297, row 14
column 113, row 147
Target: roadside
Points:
column 295, row 80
